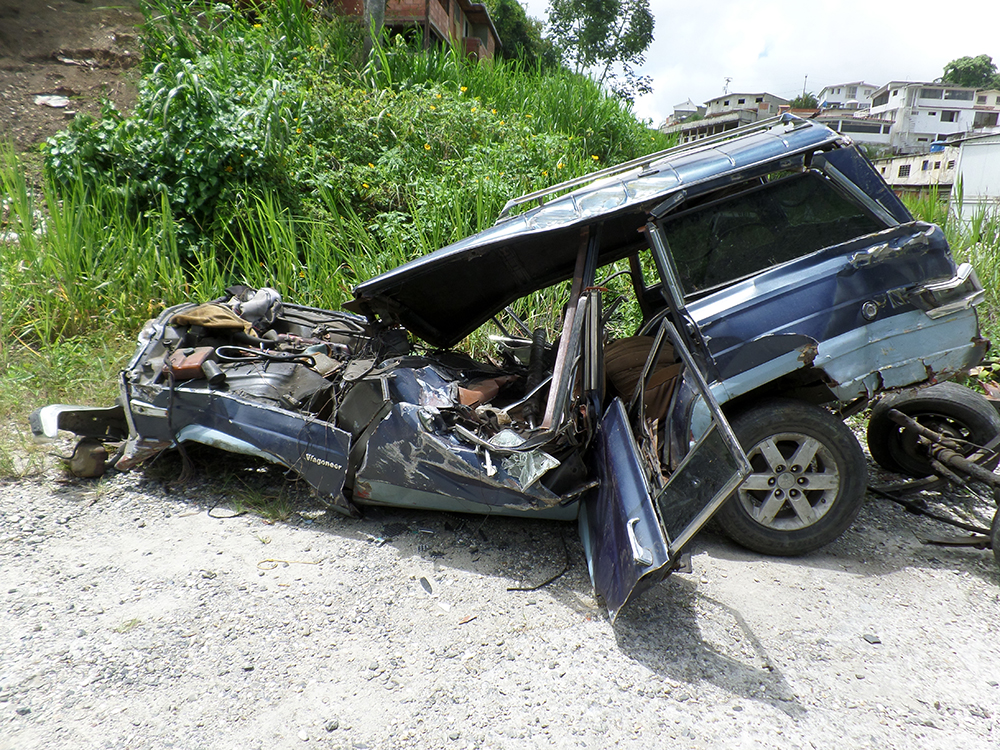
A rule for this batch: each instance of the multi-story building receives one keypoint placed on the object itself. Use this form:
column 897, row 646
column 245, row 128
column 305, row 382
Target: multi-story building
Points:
column 725, row 112
column 922, row 113
column 459, row 23
column 854, row 95
column 918, row 173
column 764, row 104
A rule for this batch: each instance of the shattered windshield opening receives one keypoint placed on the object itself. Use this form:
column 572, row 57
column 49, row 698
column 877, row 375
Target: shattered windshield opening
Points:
column 739, row 235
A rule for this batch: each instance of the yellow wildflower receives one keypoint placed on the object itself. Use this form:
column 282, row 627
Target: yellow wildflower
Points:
column 559, row 165
column 473, row 109
column 371, row 165
column 595, row 158
column 464, row 89
column 427, row 147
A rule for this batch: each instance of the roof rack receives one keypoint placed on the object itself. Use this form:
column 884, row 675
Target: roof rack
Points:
column 645, row 161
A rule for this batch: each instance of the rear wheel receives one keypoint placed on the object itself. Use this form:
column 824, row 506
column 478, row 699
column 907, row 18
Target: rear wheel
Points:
column 807, row 483
column 947, row 408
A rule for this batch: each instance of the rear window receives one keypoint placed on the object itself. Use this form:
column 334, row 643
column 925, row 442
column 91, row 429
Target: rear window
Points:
column 740, row 235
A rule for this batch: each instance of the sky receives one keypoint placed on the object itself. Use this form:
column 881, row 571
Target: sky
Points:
column 779, row 46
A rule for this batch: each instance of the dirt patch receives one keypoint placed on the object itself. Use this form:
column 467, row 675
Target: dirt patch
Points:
column 59, row 58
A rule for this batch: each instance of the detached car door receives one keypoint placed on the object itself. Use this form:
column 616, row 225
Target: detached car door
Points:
column 633, row 525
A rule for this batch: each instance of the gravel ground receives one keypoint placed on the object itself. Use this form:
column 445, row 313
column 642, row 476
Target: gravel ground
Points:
column 144, row 614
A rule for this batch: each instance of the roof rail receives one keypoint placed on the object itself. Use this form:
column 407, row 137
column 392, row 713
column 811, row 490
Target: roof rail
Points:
column 644, row 161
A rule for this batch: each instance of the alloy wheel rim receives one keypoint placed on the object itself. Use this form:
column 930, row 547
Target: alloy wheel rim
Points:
column 794, row 482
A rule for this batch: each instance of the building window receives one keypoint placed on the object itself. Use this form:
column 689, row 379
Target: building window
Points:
column 985, row 120
column 958, row 95
column 980, row 100
column 760, row 99
column 741, row 101
column 925, row 166
column 883, row 170
column 725, row 103
column 921, row 140
column 931, row 93
column 998, row 100
column 904, row 170
column 951, row 164
column 932, row 114
column 937, row 165
column 949, row 115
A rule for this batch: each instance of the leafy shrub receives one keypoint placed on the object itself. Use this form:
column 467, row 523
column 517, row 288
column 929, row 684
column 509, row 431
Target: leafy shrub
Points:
column 231, row 106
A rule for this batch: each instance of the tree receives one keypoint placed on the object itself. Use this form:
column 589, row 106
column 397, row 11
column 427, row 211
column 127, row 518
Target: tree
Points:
column 607, row 38
column 977, row 72
column 805, row 100
column 520, row 35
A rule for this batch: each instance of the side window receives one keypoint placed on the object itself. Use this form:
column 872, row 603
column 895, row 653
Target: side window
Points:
column 741, row 235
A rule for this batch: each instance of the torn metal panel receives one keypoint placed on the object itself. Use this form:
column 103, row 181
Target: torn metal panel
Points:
column 107, row 423
column 404, row 453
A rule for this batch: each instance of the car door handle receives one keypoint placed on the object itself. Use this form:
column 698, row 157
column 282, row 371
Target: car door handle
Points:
column 639, row 553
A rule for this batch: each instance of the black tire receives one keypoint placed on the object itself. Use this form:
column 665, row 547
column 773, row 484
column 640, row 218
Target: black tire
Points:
column 786, row 508
column 948, row 408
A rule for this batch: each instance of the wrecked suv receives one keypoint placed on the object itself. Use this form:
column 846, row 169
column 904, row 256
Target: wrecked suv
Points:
column 780, row 285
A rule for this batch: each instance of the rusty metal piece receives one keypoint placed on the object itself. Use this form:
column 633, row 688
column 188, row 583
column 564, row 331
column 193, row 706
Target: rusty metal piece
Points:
column 941, row 448
column 976, row 541
column 945, row 472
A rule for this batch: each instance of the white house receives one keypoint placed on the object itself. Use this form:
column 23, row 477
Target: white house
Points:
column 922, row 113
column 764, row 104
column 854, row 95
column 724, row 113
column 684, row 110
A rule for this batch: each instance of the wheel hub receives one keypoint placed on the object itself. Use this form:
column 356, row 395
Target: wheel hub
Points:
column 785, row 480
